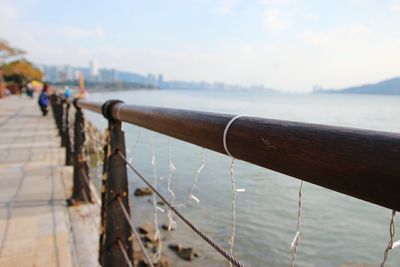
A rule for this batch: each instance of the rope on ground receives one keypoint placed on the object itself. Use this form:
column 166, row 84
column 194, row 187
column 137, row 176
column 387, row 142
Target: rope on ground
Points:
column 296, row 239
column 208, row 239
column 391, row 244
column 129, row 220
column 128, row 261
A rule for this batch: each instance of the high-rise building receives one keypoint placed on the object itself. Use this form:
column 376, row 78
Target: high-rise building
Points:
column 108, row 75
column 69, row 72
column 160, row 80
column 93, row 69
column 151, row 80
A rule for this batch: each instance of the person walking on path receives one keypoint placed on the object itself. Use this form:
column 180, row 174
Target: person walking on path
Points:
column 44, row 99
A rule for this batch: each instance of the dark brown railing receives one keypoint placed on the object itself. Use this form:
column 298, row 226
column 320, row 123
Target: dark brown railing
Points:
column 360, row 163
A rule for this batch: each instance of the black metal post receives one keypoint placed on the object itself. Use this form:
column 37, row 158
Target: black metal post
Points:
column 116, row 227
column 81, row 168
column 58, row 114
column 68, row 149
column 53, row 102
column 63, row 122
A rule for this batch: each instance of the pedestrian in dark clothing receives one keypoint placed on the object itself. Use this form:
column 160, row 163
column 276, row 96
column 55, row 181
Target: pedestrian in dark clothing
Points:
column 44, row 99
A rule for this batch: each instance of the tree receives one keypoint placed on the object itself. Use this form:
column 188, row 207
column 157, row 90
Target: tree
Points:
column 6, row 51
column 20, row 72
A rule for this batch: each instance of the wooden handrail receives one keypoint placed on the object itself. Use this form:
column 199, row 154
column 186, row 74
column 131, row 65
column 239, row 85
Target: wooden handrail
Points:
column 360, row 163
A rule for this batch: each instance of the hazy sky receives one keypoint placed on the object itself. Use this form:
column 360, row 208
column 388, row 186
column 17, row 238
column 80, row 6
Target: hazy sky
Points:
column 284, row 44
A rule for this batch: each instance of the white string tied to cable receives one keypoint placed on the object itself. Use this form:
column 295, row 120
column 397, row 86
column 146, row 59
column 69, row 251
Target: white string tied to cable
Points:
column 171, row 168
column 157, row 235
column 296, row 239
column 233, row 180
column 228, row 125
column 191, row 196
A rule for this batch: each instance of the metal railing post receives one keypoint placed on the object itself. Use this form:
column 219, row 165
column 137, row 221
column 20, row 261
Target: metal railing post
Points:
column 81, row 180
column 63, row 122
column 53, row 102
column 58, row 114
column 68, row 151
column 116, row 228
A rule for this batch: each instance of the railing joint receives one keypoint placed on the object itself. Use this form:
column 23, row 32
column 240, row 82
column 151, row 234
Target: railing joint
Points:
column 106, row 108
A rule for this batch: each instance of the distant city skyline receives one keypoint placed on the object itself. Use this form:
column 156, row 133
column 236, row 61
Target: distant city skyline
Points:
column 95, row 73
column 284, row 44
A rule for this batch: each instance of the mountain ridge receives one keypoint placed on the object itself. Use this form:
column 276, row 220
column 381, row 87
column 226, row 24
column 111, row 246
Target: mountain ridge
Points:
column 385, row 87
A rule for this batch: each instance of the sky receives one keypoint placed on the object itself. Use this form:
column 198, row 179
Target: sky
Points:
column 290, row 45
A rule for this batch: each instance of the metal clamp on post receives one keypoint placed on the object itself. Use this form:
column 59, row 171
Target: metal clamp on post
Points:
column 117, row 231
column 107, row 107
column 81, row 189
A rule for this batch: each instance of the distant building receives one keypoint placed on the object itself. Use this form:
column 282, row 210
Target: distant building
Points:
column 93, row 70
column 151, row 80
column 160, row 80
column 109, row 75
column 77, row 73
column 69, row 72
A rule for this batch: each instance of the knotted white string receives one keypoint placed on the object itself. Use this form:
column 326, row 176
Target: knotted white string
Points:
column 233, row 180
column 171, row 168
column 296, row 239
column 157, row 235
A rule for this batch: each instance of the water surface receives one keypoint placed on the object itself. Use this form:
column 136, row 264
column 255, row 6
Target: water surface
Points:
column 336, row 229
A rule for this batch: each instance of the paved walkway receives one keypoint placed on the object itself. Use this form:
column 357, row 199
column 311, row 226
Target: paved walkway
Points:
column 36, row 228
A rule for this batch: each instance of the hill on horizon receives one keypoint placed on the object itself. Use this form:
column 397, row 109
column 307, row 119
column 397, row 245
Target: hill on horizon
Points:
column 386, row 87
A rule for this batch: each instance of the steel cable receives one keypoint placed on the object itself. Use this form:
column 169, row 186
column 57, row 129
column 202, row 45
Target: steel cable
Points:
column 128, row 261
column 129, row 220
column 208, row 239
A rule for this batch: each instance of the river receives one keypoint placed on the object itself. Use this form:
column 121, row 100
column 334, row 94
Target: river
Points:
column 336, row 230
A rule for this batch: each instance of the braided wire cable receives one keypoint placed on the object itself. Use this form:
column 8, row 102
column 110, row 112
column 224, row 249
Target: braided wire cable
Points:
column 296, row 239
column 208, row 239
column 392, row 232
column 129, row 220
column 128, row 261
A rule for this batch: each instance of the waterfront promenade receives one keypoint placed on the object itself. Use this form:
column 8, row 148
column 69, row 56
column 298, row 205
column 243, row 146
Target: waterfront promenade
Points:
column 36, row 227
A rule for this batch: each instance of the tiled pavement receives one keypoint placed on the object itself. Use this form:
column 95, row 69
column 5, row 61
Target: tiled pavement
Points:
column 35, row 224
